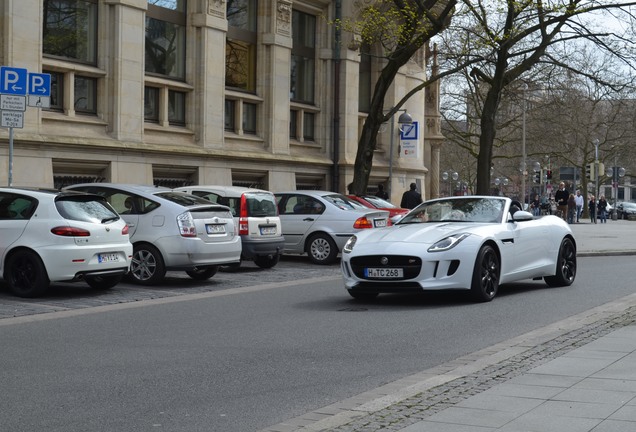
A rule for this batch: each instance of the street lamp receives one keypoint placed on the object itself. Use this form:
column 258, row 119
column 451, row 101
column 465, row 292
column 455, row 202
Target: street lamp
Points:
column 405, row 118
column 446, row 177
column 501, row 182
column 615, row 172
column 596, row 185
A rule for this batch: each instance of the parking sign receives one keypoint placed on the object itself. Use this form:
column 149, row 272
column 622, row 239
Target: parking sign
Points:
column 39, row 84
column 13, row 80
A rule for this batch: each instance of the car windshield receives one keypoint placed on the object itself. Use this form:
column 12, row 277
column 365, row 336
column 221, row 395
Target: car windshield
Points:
column 183, row 198
column 484, row 210
column 629, row 205
column 379, row 202
column 344, row 203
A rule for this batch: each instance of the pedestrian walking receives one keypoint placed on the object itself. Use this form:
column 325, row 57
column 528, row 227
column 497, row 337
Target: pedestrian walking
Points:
column 602, row 209
column 561, row 197
column 571, row 209
column 591, row 207
column 579, row 205
column 411, row 198
column 535, row 205
column 381, row 193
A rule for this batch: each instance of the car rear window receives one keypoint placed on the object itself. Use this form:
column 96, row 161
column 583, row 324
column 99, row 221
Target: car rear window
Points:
column 344, row 203
column 261, row 205
column 85, row 208
column 183, row 198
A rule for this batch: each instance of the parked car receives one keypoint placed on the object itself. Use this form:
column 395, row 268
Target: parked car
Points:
column 171, row 230
column 319, row 223
column 625, row 209
column 471, row 243
column 256, row 216
column 375, row 202
column 50, row 236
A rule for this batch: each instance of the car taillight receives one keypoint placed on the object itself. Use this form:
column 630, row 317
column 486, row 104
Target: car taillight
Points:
column 243, row 223
column 124, row 230
column 66, row 231
column 186, row 225
column 243, row 227
column 362, row 222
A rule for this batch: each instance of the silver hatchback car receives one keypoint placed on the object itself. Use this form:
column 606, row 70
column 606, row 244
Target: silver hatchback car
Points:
column 171, row 230
column 255, row 212
column 319, row 223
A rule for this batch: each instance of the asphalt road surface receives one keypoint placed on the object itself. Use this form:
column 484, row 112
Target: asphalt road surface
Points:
column 213, row 357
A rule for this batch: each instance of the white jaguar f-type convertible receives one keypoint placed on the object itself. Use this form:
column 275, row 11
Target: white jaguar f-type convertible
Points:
column 470, row 243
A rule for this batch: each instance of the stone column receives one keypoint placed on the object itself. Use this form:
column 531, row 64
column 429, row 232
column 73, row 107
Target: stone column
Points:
column 207, row 46
column 125, row 62
column 277, row 44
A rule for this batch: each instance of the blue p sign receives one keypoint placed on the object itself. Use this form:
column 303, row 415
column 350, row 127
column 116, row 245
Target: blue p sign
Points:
column 40, row 84
column 13, row 80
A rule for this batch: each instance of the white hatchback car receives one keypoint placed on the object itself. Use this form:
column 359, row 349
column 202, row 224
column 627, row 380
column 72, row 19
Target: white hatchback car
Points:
column 171, row 230
column 256, row 215
column 50, row 236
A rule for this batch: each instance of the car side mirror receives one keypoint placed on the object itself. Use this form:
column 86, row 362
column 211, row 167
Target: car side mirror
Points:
column 521, row 216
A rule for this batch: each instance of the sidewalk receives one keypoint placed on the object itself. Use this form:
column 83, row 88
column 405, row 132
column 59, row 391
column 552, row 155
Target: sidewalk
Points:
column 612, row 238
column 577, row 375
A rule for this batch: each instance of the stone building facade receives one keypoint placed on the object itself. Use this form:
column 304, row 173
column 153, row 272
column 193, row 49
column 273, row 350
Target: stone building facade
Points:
column 174, row 92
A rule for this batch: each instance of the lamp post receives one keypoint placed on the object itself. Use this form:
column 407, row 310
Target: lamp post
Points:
column 501, row 182
column 596, row 185
column 447, row 177
column 524, row 172
column 405, row 118
column 615, row 172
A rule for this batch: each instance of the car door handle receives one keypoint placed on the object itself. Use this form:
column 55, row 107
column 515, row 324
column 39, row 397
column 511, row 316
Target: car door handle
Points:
column 131, row 225
column 308, row 220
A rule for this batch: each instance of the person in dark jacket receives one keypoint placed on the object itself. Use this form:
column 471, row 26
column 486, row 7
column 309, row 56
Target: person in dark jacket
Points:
column 381, row 193
column 411, row 198
column 561, row 197
column 592, row 208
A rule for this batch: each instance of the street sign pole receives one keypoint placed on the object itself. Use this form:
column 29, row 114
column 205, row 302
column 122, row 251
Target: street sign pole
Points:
column 10, row 156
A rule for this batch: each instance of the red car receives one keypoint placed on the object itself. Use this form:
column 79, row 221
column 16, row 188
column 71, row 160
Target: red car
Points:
column 380, row 204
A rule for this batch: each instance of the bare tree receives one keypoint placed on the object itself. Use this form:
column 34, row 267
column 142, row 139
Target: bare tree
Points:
column 508, row 40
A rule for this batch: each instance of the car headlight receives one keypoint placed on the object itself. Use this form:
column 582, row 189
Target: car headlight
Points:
column 348, row 247
column 448, row 242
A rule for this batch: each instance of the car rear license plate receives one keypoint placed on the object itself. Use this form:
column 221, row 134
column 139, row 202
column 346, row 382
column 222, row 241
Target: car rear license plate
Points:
column 268, row 230
column 380, row 223
column 108, row 257
column 383, row 273
column 215, row 229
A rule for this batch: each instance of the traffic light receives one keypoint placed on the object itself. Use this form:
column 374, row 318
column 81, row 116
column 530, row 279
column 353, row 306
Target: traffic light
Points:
column 548, row 174
column 536, row 178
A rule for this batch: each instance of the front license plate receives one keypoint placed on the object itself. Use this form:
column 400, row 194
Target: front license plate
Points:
column 383, row 273
column 108, row 258
column 215, row 229
column 268, row 230
column 380, row 223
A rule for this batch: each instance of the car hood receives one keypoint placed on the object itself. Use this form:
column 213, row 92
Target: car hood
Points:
column 424, row 233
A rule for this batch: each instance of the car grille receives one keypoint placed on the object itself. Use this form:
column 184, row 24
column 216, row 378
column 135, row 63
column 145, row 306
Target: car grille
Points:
column 411, row 265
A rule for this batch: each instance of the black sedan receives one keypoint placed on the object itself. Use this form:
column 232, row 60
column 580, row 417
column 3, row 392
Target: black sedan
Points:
column 625, row 209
